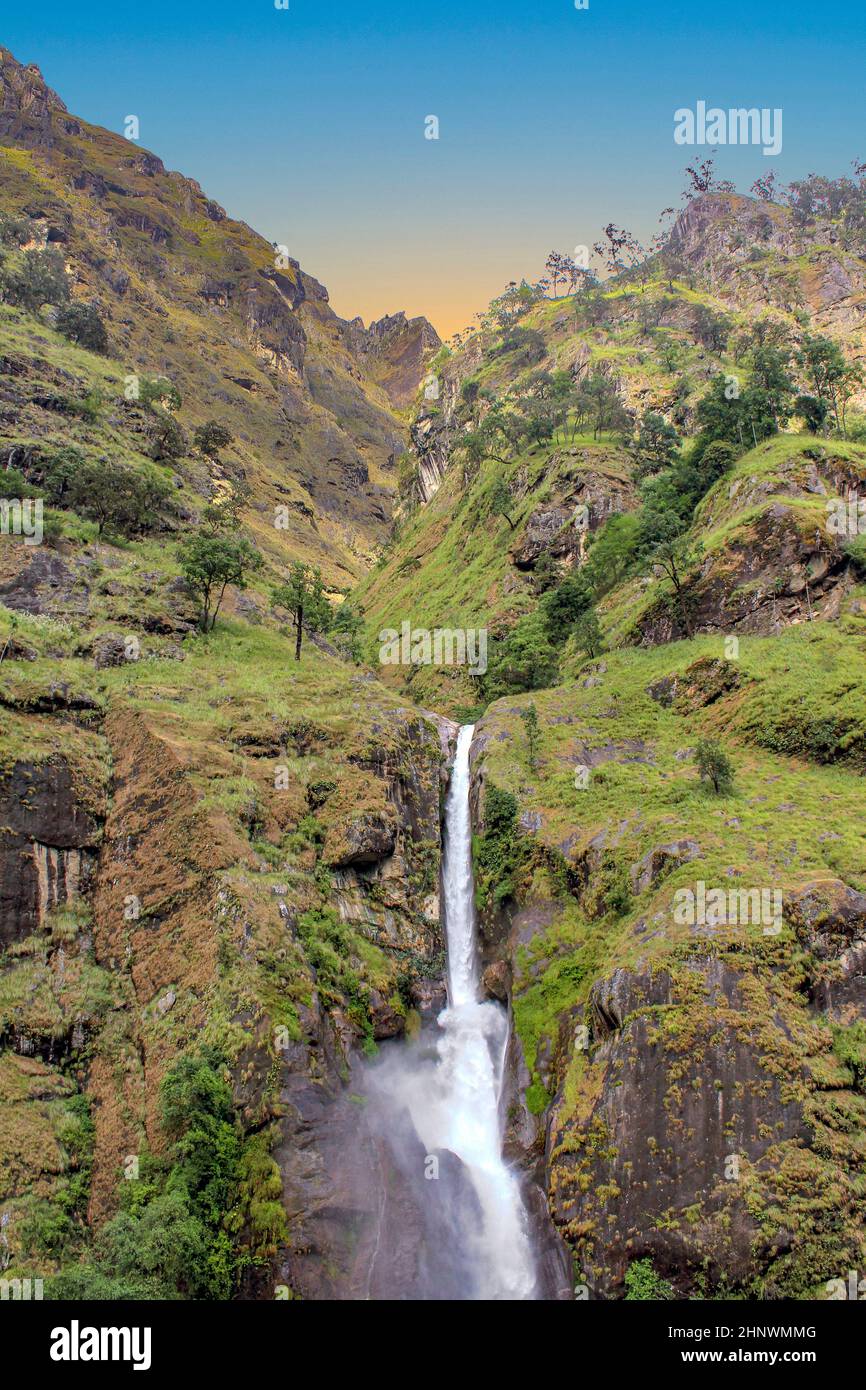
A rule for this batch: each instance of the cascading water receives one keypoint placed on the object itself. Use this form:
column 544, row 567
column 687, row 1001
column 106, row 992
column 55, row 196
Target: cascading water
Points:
column 449, row 1092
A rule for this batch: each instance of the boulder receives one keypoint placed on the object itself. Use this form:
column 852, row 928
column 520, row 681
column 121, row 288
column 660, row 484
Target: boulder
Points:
column 658, row 862
column 365, row 839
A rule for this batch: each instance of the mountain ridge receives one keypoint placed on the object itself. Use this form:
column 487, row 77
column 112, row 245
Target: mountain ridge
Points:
column 171, row 271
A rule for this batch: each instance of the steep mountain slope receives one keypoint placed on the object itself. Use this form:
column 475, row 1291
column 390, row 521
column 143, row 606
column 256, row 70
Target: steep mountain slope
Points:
column 660, row 334
column 239, row 328
column 690, row 1082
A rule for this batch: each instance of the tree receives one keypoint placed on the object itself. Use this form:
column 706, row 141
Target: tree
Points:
column 618, row 250
column 561, row 267
column 222, row 515
column 767, row 189
column 563, row 606
column 712, row 463
column 533, row 734
column 209, row 564
column 613, row 552
column 167, row 439
column 14, row 231
column 81, row 324
column 597, row 400
column 159, row 391
column 210, row 437
column 831, row 377
column 120, row 499
column 501, row 500
column 710, row 329
column 656, row 444
column 702, row 179
column 588, row 635
column 304, row 597
column 669, row 549
column 714, row 766
column 40, row 279
column 489, row 441
column 347, row 626
column 523, row 660
column 513, row 303
column 771, row 390
column 527, row 344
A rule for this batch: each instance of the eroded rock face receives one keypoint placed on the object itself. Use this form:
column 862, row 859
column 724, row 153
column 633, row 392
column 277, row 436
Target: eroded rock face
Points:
column 663, row 1128
column 48, row 846
column 589, row 498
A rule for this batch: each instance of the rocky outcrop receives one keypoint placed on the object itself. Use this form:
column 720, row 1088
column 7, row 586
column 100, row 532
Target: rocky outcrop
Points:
column 781, row 562
column 396, row 351
column 730, row 241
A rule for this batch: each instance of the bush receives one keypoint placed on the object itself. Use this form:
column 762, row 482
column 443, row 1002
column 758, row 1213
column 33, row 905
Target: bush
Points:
column 523, row 660
column 613, row 552
column 170, row 1238
column 156, row 391
column 121, row 500
column 499, row 850
column 39, row 279
column 167, row 439
column 643, row 1284
column 82, row 324
column 14, row 485
column 211, row 437
column 564, row 605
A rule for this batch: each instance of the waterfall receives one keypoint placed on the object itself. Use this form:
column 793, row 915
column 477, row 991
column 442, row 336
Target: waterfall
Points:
column 475, row 1224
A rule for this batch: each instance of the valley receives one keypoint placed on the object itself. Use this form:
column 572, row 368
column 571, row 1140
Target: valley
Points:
column 391, row 775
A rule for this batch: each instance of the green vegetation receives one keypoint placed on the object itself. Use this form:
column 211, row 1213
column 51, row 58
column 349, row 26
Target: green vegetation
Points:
column 642, row 1283
column 498, row 852
column 209, row 564
column 303, row 597
column 714, row 766
column 171, row 1237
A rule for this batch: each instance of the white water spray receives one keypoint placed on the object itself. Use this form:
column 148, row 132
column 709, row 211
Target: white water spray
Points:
column 453, row 1097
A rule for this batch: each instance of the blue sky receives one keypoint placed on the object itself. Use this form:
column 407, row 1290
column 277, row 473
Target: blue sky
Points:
column 308, row 123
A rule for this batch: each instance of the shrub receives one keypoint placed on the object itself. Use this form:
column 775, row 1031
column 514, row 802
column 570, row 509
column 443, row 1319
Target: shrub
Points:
column 39, row 279
column 167, row 439
column 643, row 1284
column 211, row 437
column 82, row 324
column 121, row 500
column 499, row 850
